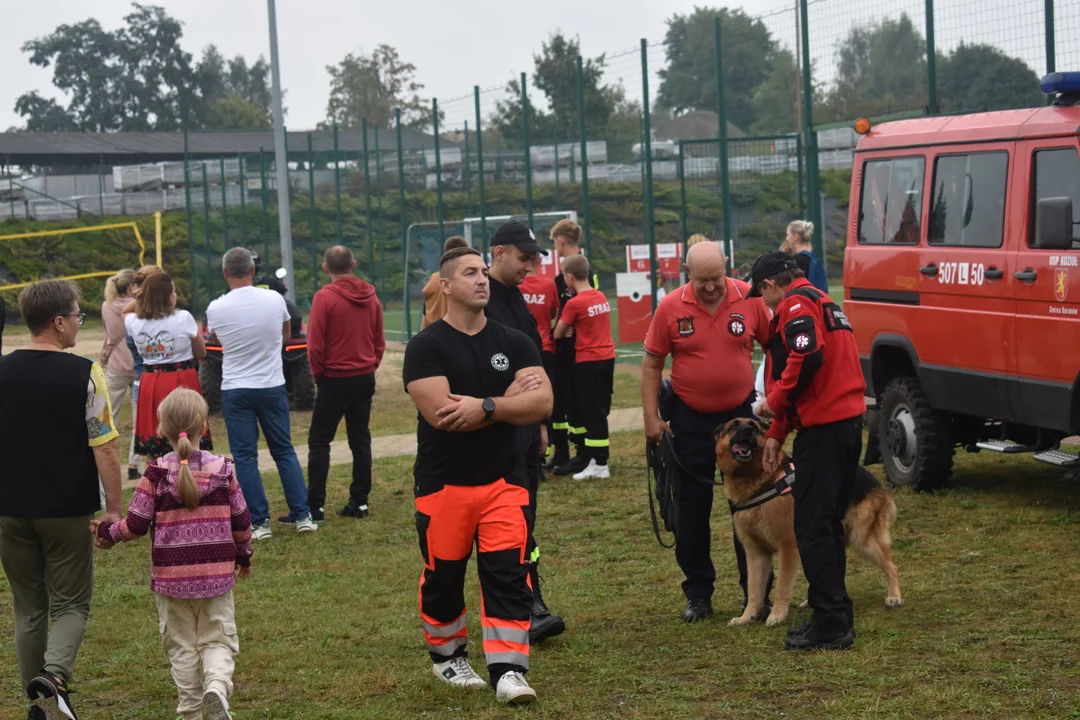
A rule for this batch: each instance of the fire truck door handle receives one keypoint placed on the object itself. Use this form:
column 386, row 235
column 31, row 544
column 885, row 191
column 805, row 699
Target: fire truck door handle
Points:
column 930, row 270
column 992, row 273
column 1027, row 275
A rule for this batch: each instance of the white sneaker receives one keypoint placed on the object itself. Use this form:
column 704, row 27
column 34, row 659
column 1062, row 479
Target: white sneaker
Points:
column 306, row 525
column 593, row 471
column 457, row 672
column 215, row 706
column 513, row 689
column 261, row 531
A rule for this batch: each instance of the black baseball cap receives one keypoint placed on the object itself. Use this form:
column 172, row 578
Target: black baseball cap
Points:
column 518, row 234
column 769, row 266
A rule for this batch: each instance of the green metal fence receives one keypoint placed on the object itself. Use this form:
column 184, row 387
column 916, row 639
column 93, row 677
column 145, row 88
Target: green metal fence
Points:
column 735, row 161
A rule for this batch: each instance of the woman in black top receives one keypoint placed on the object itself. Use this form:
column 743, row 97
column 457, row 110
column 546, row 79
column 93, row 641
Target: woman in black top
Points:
column 57, row 437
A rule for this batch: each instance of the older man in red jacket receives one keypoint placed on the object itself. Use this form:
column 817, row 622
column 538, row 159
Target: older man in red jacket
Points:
column 345, row 347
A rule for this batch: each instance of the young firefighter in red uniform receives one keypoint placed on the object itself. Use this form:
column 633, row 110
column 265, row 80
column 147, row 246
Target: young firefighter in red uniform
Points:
column 473, row 380
column 542, row 297
column 814, row 384
column 589, row 314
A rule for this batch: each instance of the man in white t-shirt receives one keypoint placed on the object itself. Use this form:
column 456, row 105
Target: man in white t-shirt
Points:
column 252, row 324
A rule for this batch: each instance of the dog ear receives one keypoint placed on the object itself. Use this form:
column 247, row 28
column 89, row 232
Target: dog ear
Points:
column 763, row 424
column 720, row 430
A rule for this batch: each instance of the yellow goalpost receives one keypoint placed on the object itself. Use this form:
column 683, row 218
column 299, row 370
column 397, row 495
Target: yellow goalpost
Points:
column 97, row 228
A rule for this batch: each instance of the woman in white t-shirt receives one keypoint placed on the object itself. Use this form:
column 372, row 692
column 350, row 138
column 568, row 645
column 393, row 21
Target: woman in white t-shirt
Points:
column 170, row 345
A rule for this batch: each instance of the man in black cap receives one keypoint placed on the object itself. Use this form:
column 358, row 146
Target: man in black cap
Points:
column 514, row 251
column 814, row 384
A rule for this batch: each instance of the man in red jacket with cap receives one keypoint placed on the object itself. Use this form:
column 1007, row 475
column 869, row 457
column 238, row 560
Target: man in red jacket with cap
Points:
column 345, row 347
column 814, row 384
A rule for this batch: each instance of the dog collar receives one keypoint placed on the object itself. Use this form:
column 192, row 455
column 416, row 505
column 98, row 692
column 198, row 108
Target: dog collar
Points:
column 782, row 486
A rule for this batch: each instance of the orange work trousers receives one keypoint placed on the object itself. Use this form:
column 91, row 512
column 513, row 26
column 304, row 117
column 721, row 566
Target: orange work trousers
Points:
column 448, row 522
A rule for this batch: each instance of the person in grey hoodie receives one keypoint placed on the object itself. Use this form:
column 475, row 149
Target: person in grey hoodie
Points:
column 345, row 347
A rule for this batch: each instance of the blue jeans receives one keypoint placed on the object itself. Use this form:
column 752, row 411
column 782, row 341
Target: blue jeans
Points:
column 245, row 410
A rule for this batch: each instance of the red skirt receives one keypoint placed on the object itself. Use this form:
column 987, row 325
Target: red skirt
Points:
column 156, row 384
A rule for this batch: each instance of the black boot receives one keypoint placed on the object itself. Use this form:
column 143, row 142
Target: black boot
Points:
column 544, row 624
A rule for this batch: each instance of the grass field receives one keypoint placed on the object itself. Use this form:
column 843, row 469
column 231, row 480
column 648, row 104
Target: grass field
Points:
column 329, row 625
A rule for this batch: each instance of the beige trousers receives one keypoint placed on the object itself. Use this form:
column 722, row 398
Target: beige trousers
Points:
column 119, row 387
column 199, row 631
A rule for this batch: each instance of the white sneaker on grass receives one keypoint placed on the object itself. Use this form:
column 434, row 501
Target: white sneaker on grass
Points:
column 306, row 525
column 215, row 706
column 261, row 531
column 593, row 471
column 513, row 690
column 457, row 672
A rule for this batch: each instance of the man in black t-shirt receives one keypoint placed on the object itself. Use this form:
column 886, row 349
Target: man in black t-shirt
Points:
column 566, row 419
column 514, row 251
column 472, row 382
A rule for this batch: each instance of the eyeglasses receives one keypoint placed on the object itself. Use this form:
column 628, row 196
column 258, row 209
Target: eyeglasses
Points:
column 79, row 317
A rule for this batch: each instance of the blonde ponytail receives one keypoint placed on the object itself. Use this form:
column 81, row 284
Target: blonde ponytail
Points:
column 802, row 229
column 181, row 418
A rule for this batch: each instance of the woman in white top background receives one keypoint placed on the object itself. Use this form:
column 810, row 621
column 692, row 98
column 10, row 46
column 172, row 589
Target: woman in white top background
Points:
column 170, row 345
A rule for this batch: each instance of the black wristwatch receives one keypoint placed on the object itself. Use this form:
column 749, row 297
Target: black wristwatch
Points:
column 489, row 408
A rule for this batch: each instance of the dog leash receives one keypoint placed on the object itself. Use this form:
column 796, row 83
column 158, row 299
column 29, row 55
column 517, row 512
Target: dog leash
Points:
column 663, row 483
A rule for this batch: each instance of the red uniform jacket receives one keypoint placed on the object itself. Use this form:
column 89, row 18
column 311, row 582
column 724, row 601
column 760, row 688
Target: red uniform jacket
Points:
column 812, row 376
column 345, row 330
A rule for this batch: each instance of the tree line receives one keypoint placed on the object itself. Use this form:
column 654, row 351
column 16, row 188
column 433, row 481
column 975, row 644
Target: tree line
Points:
column 138, row 77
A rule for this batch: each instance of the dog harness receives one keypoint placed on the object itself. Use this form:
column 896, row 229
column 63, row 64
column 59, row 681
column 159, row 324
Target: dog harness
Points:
column 782, row 486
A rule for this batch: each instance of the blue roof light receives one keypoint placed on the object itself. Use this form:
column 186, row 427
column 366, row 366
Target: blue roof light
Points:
column 1061, row 82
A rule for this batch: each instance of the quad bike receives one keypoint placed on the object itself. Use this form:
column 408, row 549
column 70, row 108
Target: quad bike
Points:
column 299, row 383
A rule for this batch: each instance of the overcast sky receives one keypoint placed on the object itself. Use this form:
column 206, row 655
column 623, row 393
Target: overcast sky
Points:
column 456, row 44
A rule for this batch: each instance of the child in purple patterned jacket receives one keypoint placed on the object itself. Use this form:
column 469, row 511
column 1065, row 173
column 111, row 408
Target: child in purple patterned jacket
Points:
column 201, row 544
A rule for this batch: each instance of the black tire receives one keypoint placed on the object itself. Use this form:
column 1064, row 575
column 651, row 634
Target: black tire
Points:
column 210, row 380
column 916, row 440
column 302, row 396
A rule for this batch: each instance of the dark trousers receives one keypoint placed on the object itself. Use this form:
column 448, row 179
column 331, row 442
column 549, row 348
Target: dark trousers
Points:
column 696, row 452
column 549, row 361
column 348, row 397
column 564, row 415
column 530, row 464
column 827, row 459
column 594, row 384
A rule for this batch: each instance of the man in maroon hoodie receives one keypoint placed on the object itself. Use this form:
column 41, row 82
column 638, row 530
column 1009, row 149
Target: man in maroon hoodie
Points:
column 345, row 346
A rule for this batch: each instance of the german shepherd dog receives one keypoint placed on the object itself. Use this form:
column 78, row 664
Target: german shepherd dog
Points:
column 769, row 528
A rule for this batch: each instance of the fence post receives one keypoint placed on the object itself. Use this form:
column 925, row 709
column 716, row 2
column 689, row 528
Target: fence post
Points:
column 367, row 204
column 438, row 169
column 931, row 61
column 466, row 175
column 480, row 168
column 528, row 150
column 722, row 138
column 650, row 229
column 682, row 193
column 190, row 232
column 555, row 150
column 584, row 158
column 243, row 203
column 11, row 182
column 1051, row 43
column 224, row 207
column 378, row 178
column 264, row 229
column 404, row 223
column 337, row 184
column 572, row 176
column 314, row 219
column 206, row 230
column 799, row 158
column 812, row 194
column 100, row 190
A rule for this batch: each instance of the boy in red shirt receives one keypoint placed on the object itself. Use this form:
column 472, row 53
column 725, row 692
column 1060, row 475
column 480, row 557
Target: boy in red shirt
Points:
column 588, row 316
column 542, row 297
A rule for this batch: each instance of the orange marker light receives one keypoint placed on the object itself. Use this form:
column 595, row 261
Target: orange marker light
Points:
column 862, row 126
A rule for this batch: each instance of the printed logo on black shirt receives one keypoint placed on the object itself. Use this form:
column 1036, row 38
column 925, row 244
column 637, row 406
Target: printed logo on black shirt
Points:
column 500, row 362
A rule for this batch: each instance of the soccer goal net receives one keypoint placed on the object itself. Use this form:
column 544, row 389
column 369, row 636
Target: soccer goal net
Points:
column 424, row 248
column 85, row 254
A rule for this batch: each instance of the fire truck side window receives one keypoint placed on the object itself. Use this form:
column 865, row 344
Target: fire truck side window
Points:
column 969, row 200
column 1057, row 174
column 891, row 201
